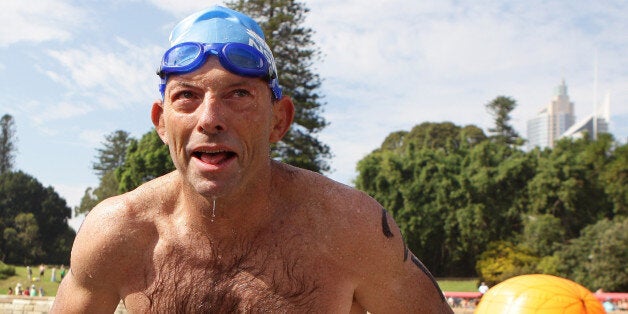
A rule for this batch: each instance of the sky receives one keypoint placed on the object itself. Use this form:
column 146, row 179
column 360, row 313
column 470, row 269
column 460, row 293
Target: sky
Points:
column 72, row 72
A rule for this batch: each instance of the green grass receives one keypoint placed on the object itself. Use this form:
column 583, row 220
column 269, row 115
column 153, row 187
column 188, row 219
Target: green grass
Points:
column 50, row 288
column 458, row 284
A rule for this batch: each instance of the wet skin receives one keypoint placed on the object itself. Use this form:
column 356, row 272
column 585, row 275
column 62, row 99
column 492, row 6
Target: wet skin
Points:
column 232, row 230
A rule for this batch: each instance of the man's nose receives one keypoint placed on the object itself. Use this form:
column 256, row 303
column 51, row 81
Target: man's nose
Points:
column 211, row 120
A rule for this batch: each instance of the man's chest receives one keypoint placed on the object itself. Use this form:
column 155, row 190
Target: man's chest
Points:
column 284, row 276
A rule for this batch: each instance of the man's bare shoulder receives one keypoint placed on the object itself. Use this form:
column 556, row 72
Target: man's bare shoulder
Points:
column 336, row 207
column 135, row 207
column 117, row 231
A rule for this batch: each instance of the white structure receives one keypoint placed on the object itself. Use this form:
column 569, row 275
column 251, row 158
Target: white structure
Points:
column 594, row 124
column 557, row 120
column 552, row 121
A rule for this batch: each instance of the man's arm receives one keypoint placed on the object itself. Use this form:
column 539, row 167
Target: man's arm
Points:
column 89, row 285
column 75, row 297
column 395, row 281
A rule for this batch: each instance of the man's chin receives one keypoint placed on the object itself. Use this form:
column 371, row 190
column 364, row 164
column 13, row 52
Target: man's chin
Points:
column 212, row 189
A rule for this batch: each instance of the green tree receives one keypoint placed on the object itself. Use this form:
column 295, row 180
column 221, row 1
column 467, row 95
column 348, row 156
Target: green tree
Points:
column 22, row 240
column 599, row 257
column 23, row 194
column 500, row 108
column 543, row 234
column 110, row 157
column 614, row 178
column 112, row 154
column 493, row 178
column 295, row 51
column 567, row 183
column 146, row 159
column 7, row 143
column 416, row 175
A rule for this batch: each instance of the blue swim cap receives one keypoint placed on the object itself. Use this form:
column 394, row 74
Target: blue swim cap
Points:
column 218, row 24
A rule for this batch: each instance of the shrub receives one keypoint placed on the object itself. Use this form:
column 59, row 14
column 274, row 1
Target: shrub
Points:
column 503, row 260
column 6, row 271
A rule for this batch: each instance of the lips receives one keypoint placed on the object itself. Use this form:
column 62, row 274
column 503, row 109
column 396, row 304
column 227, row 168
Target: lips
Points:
column 216, row 157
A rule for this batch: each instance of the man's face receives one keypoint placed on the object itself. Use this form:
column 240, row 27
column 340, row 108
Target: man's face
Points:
column 219, row 127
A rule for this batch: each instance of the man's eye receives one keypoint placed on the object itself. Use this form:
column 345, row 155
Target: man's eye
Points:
column 185, row 95
column 241, row 93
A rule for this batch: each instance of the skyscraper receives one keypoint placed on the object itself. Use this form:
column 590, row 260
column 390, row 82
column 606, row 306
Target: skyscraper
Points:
column 552, row 121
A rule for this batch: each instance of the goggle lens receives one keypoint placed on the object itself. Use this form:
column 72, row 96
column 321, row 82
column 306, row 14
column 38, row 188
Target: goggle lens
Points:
column 181, row 56
column 238, row 58
column 243, row 58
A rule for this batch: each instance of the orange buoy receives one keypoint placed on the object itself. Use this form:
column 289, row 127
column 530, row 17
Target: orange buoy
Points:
column 539, row 294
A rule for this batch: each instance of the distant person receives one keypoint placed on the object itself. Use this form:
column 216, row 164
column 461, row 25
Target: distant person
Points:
column 29, row 272
column 33, row 291
column 10, row 291
column 232, row 229
column 18, row 288
column 608, row 305
column 62, row 272
column 42, row 269
column 53, row 276
column 483, row 288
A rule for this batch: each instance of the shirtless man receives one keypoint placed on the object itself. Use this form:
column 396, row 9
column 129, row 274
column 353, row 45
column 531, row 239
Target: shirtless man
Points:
column 231, row 230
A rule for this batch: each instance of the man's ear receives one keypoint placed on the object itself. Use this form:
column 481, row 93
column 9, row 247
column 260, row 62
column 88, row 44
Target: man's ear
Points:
column 157, row 116
column 283, row 114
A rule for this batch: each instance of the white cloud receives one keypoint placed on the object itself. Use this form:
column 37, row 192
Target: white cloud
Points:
column 181, row 8
column 71, row 193
column 399, row 63
column 60, row 111
column 116, row 77
column 93, row 138
column 47, row 20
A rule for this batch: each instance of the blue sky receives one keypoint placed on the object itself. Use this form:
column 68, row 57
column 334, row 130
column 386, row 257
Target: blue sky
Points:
column 73, row 71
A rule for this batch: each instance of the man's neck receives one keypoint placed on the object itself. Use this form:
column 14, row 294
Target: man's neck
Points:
column 242, row 213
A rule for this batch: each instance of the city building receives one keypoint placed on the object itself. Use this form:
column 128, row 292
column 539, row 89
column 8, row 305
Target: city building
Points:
column 552, row 121
column 558, row 120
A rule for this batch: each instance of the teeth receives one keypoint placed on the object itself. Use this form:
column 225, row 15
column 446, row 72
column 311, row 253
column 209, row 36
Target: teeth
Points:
column 212, row 151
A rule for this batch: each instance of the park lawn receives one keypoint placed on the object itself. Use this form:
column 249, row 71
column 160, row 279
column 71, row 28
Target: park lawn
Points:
column 50, row 288
column 458, row 284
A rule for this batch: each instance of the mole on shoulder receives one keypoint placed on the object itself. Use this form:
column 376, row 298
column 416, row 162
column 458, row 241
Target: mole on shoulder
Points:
column 385, row 226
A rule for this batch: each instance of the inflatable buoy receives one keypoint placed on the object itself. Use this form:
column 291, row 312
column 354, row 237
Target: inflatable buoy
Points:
column 539, row 294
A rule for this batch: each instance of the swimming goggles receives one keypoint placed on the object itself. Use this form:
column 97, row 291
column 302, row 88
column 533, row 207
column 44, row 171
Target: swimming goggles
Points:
column 237, row 58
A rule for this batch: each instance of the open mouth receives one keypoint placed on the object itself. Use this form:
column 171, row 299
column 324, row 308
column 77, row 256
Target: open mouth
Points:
column 214, row 157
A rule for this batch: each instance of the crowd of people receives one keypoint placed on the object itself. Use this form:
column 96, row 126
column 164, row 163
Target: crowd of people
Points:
column 56, row 275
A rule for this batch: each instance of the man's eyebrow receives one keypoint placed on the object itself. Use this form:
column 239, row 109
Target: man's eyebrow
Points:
column 183, row 84
column 230, row 83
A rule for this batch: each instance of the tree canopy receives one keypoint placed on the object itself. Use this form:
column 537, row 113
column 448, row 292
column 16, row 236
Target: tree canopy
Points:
column 113, row 152
column 8, row 140
column 500, row 109
column 109, row 158
column 471, row 205
column 33, row 222
column 146, row 159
